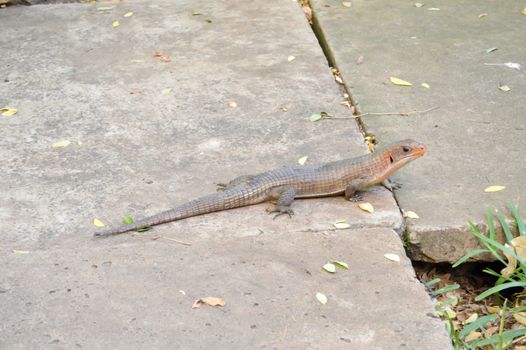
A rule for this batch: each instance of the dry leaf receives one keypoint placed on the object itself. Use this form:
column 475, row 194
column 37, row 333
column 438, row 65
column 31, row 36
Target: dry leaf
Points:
column 359, row 60
column 291, row 58
column 483, row 15
column 400, row 82
column 410, row 214
column 115, row 24
column 159, row 54
column 504, row 88
column 321, row 298
column 346, row 104
column 495, row 188
column 8, row 112
column 346, row 4
column 518, row 246
column 418, row 4
column 524, row 11
column 232, row 104
column 472, row 318
column 472, row 336
column 493, row 309
column 128, row 14
column 366, row 206
column 137, row 61
column 182, row 292
column 302, row 160
column 98, row 223
column 426, row 85
column 135, row 91
column 492, row 330
column 520, row 317
column 18, row 251
column 392, row 257
column 211, row 301
column 433, row 9
column 61, row 144
column 341, row 224
column 283, row 109
column 329, row 267
column 166, row 91
column 338, row 79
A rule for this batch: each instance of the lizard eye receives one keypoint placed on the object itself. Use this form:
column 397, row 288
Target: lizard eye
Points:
column 405, row 149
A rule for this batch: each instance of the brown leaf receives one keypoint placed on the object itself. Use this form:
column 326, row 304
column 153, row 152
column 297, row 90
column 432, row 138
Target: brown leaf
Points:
column 211, row 301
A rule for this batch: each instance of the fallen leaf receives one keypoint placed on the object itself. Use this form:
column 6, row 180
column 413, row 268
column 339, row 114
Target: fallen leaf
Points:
column 341, row 264
column 520, row 317
column 104, row 8
column 61, row 144
column 341, row 224
column 321, row 298
column 182, row 292
column 346, row 104
column 346, row 4
column 291, row 58
column 166, row 91
column 338, row 79
column 137, row 61
column 524, row 11
column 283, row 109
column 329, row 267
column 504, row 88
column 211, row 301
column 410, row 214
column 472, row 318
column 472, row 336
column 315, row 117
column 492, row 330
column 366, row 206
column 135, row 91
column 493, row 309
column 98, row 223
column 359, row 60
column 518, row 246
column 426, row 85
column 302, row 160
column 491, row 49
column 18, row 251
column 115, row 24
column 400, row 82
column 232, row 104
column 433, row 9
column 196, row 13
column 159, row 54
column 495, row 188
column 451, row 314
column 392, row 257
column 483, row 15
column 418, row 4
column 128, row 14
column 8, row 112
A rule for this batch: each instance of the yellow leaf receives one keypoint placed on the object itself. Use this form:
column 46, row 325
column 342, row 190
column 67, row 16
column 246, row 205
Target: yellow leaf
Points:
column 410, row 214
column 426, row 85
column 283, row 109
column 504, row 88
column 61, row 144
column 493, row 309
column 128, row 14
column 483, row 15
column 366, row 206
column 520, row 317
column 418, row 4
column 8, row 112
column 329, row 267
column 346, row 4
column 232, row 104
column 495, row 188
column 341, row 224
column 98, row 223
column 302, row 160
column 166, row 91
column 472, row 336
column 291, row 58
column 433, row 9
column 104, row 8
column 472, row 318
column 115, row 24
column 18, row 251
column 392, row 257
column 524, row 11
column 212, row 301
column 321, row 298
column 400, row 82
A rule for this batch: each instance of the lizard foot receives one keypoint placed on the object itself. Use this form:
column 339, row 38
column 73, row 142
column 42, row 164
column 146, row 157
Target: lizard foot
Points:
column 356, row 198
column 221, row 187
column 280, row 210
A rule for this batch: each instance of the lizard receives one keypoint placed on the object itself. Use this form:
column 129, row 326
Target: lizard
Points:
column 283, row 185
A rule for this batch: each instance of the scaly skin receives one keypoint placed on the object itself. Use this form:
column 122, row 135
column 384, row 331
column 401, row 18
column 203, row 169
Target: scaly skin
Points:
column 287, row 183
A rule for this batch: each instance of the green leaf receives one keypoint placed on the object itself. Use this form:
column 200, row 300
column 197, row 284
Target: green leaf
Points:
column 504, row 225
column 329, row 267
column 470, row 255
column 315, row 117
column 491, row 49
column 518, row 219
column 499, row 288
column 445, row 289
column 144, row 228
column 341, row 264
column 477, row 324
column 127, row 220
column 432, row 282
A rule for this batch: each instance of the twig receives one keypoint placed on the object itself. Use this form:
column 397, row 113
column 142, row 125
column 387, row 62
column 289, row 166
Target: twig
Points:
column 404, row 114
column 172, row 239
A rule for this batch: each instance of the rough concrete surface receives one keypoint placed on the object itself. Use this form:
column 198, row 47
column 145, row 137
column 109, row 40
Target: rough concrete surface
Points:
column 135, row 150
column 476, row 136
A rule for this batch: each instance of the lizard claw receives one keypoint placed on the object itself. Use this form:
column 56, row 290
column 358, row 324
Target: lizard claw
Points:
column 356, row 198
column 281, row 211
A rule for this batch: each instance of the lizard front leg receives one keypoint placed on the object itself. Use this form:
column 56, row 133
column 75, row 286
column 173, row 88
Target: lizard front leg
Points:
column 358, row 185
column 285, row 196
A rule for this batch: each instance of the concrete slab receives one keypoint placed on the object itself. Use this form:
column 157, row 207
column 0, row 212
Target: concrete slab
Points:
column 135, row 150
column 127, row 294
column 475, row 138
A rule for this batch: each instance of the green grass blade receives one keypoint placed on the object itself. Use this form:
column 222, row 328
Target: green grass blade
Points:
column 470, row 255
column 504, row 225
column 448, row 288
column 508, row 336
column 477, row 324
column 494, row 244
column 488, row 242
column 491, row 226
column 432, row 282
column 518, row 219
column 499, row 288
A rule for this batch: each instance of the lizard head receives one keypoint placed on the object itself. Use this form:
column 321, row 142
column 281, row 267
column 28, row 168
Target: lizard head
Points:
column 402, row 152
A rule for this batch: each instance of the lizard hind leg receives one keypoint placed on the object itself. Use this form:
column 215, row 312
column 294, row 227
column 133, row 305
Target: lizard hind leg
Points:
column 285, row 197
